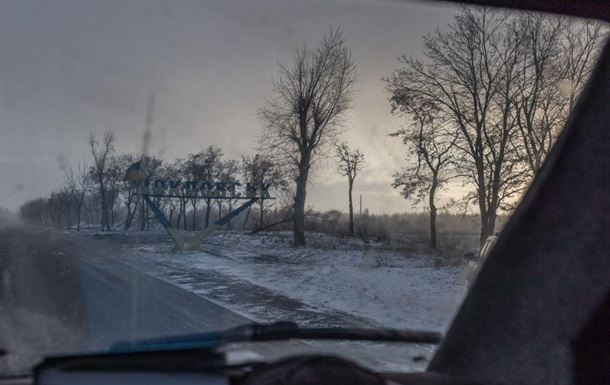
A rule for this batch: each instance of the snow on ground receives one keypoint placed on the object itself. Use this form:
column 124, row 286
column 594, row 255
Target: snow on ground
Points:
column 331, row 281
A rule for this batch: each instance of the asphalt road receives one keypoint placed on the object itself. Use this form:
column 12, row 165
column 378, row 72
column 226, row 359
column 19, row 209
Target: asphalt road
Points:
column 60, row 293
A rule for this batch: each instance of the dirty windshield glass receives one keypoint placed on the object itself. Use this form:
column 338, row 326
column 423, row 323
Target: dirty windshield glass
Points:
column 179, row 167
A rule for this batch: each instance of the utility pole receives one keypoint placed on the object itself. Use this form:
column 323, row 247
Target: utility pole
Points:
column 360, row 204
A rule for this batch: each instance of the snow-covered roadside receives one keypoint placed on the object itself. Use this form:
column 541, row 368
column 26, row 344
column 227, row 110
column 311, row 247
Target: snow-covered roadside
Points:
column 374, row 285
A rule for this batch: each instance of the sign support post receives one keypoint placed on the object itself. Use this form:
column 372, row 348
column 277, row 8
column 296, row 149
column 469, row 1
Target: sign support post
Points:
column 192, row 189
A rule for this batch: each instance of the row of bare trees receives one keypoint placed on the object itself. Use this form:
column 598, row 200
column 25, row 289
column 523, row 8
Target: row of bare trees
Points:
column 96, row 192
column 487, row 100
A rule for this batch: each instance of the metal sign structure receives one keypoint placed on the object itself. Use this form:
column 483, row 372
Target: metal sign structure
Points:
column 249, row 192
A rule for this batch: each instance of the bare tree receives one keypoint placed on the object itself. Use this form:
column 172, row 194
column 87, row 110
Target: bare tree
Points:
column 259, row 170
column 78, row 183
column 205, row 166
column 467, row 75
column 507, row 82
column 59, row 208
column 310, row 98
column 114, row 184
column 101, row 159
column 350, row 163
column 178, row 171
column 228, row 175
column 34, row 210
column 433, row 164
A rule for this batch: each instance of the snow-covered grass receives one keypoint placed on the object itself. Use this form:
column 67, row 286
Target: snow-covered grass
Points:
column 362, row 283
column 332, row 282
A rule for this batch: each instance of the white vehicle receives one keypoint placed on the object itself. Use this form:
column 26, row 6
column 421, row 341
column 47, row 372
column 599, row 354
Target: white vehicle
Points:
column 473, row 267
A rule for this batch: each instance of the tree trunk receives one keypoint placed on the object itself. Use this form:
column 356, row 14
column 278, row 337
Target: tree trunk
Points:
column 146, row 218
column 260, row 219
column 104, row 204
column 128, row 218
column 208, row 208
column 112, row 212
column 106, row 214
column 131, row 211
column 484, row 231
column 172, row 209
column 488, row 224
column 351, row 209
column 299, row 200
column 492, row 222
column 133, row 216
column 431, row 196
column 179, row 218
column 433, row 237
column 141, row 213
column 229, row 226
column 482, row 198
column 194, row 204
column 78, row 214
column 69, row 222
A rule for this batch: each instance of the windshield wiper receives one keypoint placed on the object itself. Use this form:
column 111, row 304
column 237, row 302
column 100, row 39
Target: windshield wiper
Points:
column 277, row 331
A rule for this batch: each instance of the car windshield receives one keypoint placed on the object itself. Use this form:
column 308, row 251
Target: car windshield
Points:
column 180, row 167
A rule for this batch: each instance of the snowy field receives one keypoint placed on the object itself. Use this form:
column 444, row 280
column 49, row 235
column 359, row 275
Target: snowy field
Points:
column 333, row 281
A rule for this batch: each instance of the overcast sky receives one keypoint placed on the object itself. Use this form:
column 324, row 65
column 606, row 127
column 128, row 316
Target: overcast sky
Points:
column 71, row 67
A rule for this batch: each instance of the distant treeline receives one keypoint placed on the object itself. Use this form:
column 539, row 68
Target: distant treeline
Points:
column 96, row 191
column 58, row 211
